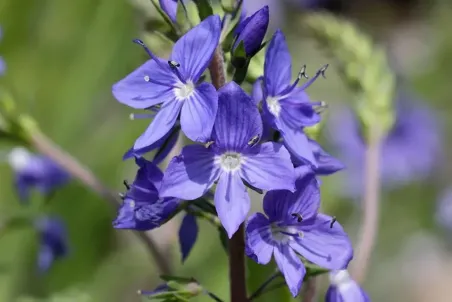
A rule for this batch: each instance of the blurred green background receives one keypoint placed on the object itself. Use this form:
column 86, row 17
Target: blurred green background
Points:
column 62, row 58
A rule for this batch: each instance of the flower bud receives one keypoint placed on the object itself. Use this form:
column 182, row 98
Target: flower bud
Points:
column 251, row 31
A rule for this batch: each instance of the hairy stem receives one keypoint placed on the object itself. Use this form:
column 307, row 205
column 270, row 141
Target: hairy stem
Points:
column 217, row 70
column 369, row 228
column 237, row 266
column 310, row 289
column 45, row 146
column 236, row 245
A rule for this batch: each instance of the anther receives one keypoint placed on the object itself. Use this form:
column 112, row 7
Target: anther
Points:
column 332, row 222
column 122, row 196
column 302, row 73
column 323, row 69
column 173, row 64
column 298, row 216
column 253, row 140
column 126, row 184
column 208, row 144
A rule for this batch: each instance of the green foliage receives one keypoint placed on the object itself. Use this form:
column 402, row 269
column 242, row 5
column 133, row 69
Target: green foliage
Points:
column 363, row 65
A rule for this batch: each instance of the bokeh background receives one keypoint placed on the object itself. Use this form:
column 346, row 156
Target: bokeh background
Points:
column 62, row 58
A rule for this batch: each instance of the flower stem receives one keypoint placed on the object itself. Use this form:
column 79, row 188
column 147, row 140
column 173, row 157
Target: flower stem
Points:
column 45, row 146
column 310, row 290
column 217, row 70
column 236, row 244
column 237, row 266
column 369, row 226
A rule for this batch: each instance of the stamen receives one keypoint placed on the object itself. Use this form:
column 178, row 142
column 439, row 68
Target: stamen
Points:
column 136, row 116
column 298, row 216
column 332, row 222
column 174, row 65
column 149, row 80
column 301, row 74
column 148, row 51
column 253, row 140
column 319, row 72
column 126, row 184
column 122, row 196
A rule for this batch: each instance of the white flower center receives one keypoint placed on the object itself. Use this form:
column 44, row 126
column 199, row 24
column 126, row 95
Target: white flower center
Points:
column 230, row 161
column 185, row 90
column 19, row 158
column 273, row 105
column 285, row 234
column 340, row 278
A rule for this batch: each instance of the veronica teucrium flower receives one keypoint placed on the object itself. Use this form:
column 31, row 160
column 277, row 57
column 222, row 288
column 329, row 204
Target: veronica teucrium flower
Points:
column 252, row 31
column 34, row 171
column 52, row 241
column 233, row 155
column 174, row 84
column 286, row 107
column 344, row 289
column 142, row 209
column 294, row 226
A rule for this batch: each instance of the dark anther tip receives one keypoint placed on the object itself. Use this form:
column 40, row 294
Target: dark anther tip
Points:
column 332, row 222
column 126, row 184
column 138, row 41
column 302, row 73
column 173, row 64
column 323, row 69
column 298, row 216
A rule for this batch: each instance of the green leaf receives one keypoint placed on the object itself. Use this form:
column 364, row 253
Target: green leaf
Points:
column 365, row 68
column 257, row 274
column 169, row 278
column 314, row 270
column 205, row 205
column 204, row 8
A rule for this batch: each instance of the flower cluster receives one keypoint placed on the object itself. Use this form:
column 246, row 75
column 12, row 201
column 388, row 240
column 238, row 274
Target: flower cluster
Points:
column 240, row 141
column 41, row 173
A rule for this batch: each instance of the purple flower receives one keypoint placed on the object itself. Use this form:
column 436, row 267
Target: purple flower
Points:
column 323, row 163
column 444, row 210
column 344, row 289
column 293, row 225
column 232, row 156
column 35, row 171
column 174, row 84
column 53, row 244
column 188, row 233
column 142, row 209
column 409, row 152
column 286, row 107
column 170, row 8
column 252, row 31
